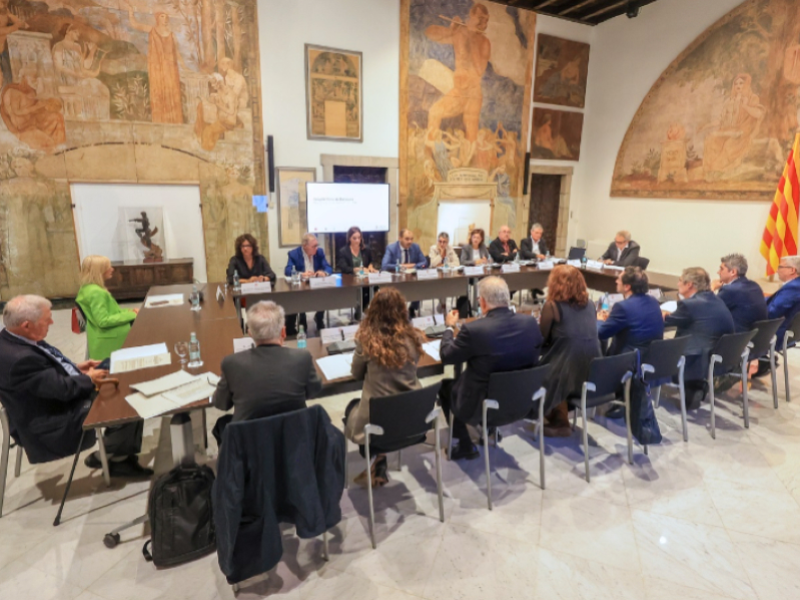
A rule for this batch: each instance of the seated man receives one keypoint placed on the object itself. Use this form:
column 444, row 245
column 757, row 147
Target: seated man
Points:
column 268, row 379
column 408, row 255
column 743, row 297
column 636, row 321
column 704, row 318
column 47, row 396
column 501, row 341
column 622, row 252
column 534, row 247
column 309, row 260
column 783, row 303
column 503, row 249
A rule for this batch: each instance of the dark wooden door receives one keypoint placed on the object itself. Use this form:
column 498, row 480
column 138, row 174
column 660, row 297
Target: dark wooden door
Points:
column 545, row 198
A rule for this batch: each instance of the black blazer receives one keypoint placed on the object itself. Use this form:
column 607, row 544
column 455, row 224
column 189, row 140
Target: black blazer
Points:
column 525, row 249
column 344, row 260
column 46, row 406
column 745, row 299
column 260, row 268
column 496, row 251
column 633, row 323
column 501, row 341
column 628, row 258
column 704, row 318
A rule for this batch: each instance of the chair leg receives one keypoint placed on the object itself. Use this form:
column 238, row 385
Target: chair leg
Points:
column 450, row 438
column 57, row 521
column 682, row 392
column 399, row 460
column 627, row 396
column 6, row 448
column 585, row 437
column 325, row 556
column 438, row 468
column 18, row 463
column 486, row 458
column 369, row 496
column 745, row 402
column 774, row 376
column 786, row 374
column 205, row 429
column 657, row 398
column 104, row 459
column 540, row 429
column 713, row 419
column 346, row 470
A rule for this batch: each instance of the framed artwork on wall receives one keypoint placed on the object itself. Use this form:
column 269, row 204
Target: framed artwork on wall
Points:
column 291, row 188
column 333, row 94
column 562, row 68
column 556, row 134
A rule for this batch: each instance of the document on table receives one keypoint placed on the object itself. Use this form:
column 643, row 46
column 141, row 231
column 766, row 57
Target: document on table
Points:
column 164, row 384
column 139, row 357
column 349, row 332
column 330, row 335
column 198, row 388
column 163, row 300
column 336, row 366
column 202, row 387
column 669, row 307
column 432, row 349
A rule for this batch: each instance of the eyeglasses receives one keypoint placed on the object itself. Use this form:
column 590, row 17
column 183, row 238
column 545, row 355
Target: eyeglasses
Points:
column 785, row 267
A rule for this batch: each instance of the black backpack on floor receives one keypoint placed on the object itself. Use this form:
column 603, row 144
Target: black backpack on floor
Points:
column 181, row 516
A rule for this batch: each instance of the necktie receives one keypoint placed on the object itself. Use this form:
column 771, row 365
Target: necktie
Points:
column 57, row 354
column 405, row 256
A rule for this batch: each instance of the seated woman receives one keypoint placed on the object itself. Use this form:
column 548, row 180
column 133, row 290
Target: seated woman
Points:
column 249, row 263
column 107, row 324
column 569, row 329
column 474, row 253
column 387, row 351
column 354, row 257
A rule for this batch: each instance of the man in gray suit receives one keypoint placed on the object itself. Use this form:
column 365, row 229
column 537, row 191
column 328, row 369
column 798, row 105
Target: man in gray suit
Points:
column 268, row 379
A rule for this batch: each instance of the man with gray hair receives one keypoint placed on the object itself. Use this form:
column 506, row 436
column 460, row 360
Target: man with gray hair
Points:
column 622, row 252
column 743, row 297
column 268, row 379
column 501, row 341
column 703, row 317
column 534, row 247
column 783, row 303
column 309, row 260
column 48, row 396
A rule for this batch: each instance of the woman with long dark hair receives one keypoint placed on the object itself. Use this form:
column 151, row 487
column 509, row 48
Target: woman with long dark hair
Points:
column 352, row 258
column 249, row 263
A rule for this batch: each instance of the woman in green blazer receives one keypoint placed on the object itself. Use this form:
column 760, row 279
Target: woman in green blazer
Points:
column 107, row 324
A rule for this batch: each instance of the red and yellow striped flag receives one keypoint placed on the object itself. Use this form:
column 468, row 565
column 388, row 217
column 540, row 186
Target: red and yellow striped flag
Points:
column 780, row 234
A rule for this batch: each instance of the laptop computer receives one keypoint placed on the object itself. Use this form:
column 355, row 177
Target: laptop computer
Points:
column 576, row 253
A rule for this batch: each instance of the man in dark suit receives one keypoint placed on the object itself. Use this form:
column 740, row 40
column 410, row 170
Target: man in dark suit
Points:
column 622, row 252
column 783, row 303
column 309, row 260
column 743, row 297
column 48, row 396
column 704, row 318
column 534, row 247
column 268, row 379
column 502, row 341
column 503, row 249
column 635, row 321
column 408, row 255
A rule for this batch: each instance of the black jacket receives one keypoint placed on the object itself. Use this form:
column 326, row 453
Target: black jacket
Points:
column 628, row 258
column 501, row 341
column 496, row 251
column 260, row 268
column 633, row 323
column 525, row 249
column 344, row 260
column 46, row 406
column 288, row 468
column 745, row 299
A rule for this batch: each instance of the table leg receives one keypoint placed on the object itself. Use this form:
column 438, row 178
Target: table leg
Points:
column 180, row 429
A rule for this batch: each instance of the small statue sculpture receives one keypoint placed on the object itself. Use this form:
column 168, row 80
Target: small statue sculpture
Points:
column 154, row 253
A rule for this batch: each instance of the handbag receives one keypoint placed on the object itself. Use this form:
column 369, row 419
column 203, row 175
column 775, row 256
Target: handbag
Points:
column 78, row 320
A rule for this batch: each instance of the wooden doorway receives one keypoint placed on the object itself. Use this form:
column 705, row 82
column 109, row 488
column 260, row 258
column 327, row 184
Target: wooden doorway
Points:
column 545, row 204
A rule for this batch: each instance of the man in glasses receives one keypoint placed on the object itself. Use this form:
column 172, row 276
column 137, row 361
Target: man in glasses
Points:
column 783, row 303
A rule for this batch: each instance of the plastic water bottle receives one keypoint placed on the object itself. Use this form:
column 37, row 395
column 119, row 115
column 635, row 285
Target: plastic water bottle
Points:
column 445, row 266
column 194, row 352
column 301, row 337
column 547, row 256
column 605, row 302
column 295, row 276
column 479, row 312
column 361, row 272
column 195, row 298
column 397, row 268
column 237, row 284
column 583, row 261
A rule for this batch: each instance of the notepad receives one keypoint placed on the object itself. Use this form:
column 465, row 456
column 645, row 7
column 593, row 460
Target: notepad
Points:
column 432, row 349
column 335, row 367
column 139, row 357
column 163, row 300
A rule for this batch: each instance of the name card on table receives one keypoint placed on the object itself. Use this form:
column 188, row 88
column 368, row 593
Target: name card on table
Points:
column 242, row 344
column 574, row 263
column 614, row 298
column 655, row 293
column 349, row 332
column 257, row 287
column 427, row 274
column 545, row 265
column 594, row 264
column 510, row 268
column 323, row 282
column 471, row 271
column 375, row 278
column 330, row 335
column 423, row 322
column 220, row 295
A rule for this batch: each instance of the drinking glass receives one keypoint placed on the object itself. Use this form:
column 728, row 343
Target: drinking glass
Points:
column 182, row 350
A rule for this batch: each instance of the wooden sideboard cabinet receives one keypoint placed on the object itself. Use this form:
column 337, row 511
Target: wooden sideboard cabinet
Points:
column 132, row 280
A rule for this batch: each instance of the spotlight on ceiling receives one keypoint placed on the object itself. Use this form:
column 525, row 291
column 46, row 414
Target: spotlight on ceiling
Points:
column 633, row 9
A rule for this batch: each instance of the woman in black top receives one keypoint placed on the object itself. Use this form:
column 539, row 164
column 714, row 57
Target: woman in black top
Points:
column 249, row 263
column 355, row 255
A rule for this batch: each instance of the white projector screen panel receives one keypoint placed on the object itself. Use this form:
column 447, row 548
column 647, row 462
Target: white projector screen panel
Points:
column 98, row 226
column 459, row 217
column 336, row 207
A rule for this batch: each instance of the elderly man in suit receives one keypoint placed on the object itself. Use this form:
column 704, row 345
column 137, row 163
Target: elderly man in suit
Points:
column 268, row 379
column 783, row 303
column 743, row 297
column 408, row 255
column 48, row 396
column 635, row 321
column 704, row 318
column 534, row 247
column 503, row 249
column 309, row 260
column 622, row 252
column 501, row 341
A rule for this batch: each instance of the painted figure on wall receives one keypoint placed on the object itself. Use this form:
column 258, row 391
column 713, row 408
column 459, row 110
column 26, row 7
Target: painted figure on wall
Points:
column 37, row 122
column 86, row 96
column 217, row 114
column 562, row 69
column 9, row 23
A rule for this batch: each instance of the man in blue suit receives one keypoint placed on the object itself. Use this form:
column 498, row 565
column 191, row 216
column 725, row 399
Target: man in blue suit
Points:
column 309, row 260
column 704, row 318
column 637, row 320
column 783, row 303
column 408, row 255
column 743, row 297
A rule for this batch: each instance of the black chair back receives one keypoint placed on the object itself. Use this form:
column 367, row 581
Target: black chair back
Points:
column 766, row 330
column 606, row 373
column 514, row 391
column 642, row 263
column 402, row 417
column 730, row 348
column 663, row 356
column 794, row 327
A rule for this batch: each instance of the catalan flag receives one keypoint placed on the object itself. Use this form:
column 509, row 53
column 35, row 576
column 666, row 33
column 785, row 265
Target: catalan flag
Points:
column 780, row 234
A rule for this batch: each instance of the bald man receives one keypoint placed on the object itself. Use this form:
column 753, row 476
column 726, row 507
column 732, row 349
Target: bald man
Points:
column 503, row 249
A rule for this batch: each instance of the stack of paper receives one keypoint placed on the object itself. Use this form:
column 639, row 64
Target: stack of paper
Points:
column 139, row 357
column 164, row 300
column 432, row 349
column 171, row 392
column 336, row 366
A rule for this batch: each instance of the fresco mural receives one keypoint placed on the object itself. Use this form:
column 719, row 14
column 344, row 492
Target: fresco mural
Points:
column 562, row 69
column 465, row 72
column 556, row 134
column 138, row 91
column 720, row 121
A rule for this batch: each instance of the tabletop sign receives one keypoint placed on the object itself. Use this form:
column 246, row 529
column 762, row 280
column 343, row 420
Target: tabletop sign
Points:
column 384, row 277
column 427, row 274
column 423, row 322
column 323, row 282
column 242, row 344
column 257, row 287
column 545, row 265
column 574, row 263
column 220, row 295
column 614, row 298
column 472, row 271
column 594, row 264
column 655, row 293
column 510, row 268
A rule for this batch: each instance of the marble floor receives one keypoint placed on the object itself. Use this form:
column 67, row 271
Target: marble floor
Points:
column 703, row 520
